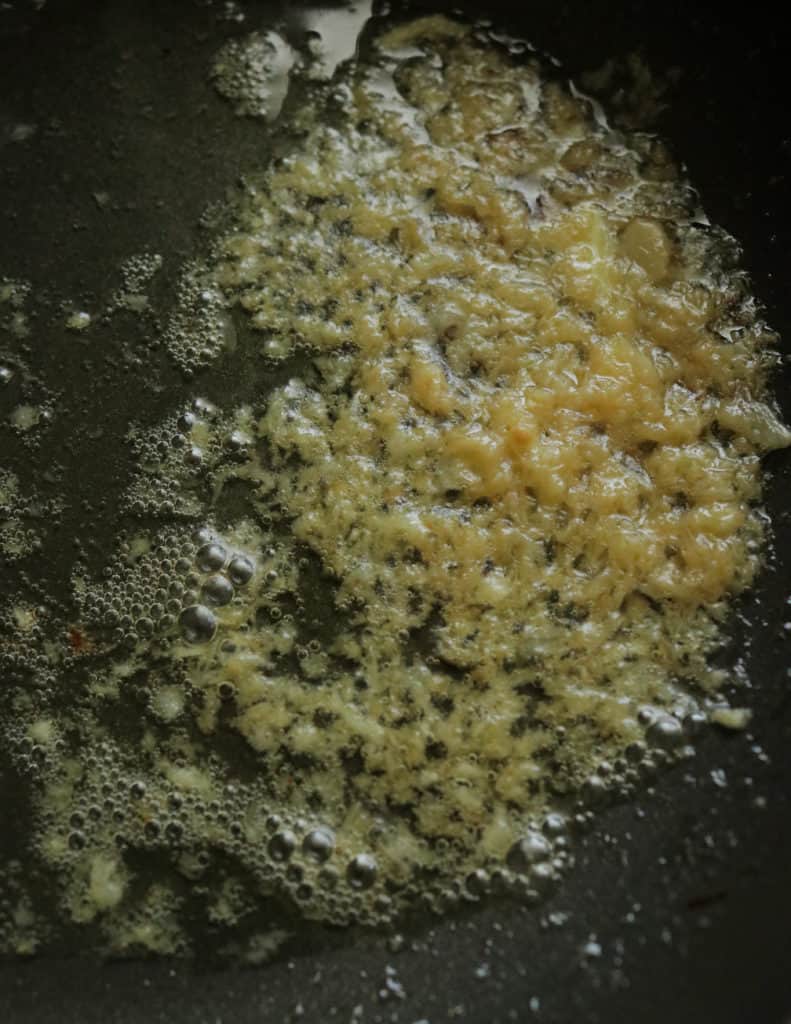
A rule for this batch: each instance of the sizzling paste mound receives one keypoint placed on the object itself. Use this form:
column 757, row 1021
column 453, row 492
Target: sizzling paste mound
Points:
column 497, row 503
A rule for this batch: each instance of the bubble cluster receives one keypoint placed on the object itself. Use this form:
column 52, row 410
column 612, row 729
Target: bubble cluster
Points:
column 137, row 272
column 200, row 328
column 23, row 656
column 14, row 317
column 19, row 537
column 252, row 72
column 118, row 804
column 174, row 586
column 182, row 459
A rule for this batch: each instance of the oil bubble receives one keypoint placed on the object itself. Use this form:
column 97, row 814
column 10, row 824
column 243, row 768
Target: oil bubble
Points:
column 666, row 731
column 527, row 851
column 237, row 441
column 282, row 845
column 198, row 624
column 217, row 590
column 555, row 824
column 361, row 872
column 77, row 840
column 328, row 878
column 174, row 831
column 240, row 569
column 211, row 557
column 319, row 843
column 477, row 882
column 294, row 873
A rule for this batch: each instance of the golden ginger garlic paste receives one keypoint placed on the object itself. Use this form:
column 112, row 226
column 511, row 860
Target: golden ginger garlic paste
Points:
column 493, row 520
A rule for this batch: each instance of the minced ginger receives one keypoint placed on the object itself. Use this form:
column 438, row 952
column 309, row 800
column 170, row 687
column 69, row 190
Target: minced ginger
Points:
column 532, row 447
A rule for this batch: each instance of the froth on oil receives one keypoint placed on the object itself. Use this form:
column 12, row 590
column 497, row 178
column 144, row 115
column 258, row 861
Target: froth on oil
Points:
column 385, row 634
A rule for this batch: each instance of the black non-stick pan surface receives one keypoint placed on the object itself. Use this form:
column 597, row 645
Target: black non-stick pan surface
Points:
column 679, row 905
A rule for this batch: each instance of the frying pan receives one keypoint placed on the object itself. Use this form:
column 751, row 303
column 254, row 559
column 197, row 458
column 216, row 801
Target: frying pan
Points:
column 679, row 904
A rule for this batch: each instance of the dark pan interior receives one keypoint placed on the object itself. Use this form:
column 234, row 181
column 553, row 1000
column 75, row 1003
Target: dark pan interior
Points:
column 688, row 892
